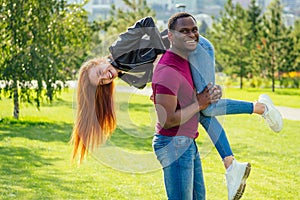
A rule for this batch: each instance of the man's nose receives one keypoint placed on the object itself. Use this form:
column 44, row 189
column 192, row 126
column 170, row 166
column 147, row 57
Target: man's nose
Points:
column 191, row 34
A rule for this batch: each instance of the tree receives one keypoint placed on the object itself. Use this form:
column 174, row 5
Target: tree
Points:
column 253, row 38
column 229, row 36
column 119, row 20
column 296, row 36
column 274, row 33
column 41, row 40
column 123, row 18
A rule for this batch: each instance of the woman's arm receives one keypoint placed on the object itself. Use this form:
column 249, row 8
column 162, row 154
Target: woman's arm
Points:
column 140, row 44
column 135, row 51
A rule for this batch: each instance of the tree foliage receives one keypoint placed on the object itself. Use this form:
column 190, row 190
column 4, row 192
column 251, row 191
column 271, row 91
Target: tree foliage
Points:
column 250, row 43
column 273, row 41
column 230, row 39
column 42, row 42
column 119, row 20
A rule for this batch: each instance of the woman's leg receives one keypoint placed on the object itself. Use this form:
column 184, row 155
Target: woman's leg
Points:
column 217, row 135
column 202, row 63
column 263, row 107
column 202, row 67
column 236, row 173
column 228, row 106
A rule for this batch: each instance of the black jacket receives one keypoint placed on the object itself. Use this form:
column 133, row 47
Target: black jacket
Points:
column 135, row 51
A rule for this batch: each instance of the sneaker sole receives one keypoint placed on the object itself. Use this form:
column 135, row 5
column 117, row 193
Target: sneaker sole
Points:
column 242, row 187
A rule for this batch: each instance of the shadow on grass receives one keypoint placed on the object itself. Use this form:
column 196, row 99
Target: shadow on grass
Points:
column 27, row 174
column 33, row 160
column 124, row 137
column 58, row 102
column 121, row 139
column 130, row 137
column 34, row 130
column 143, row 107
column 30, row 169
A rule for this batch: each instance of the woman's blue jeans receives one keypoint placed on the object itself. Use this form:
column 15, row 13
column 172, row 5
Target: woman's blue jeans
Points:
column 202, row 63
column 181, row 165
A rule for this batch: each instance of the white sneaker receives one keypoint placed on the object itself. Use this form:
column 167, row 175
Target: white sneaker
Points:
column 272, row 115
column 236, row 179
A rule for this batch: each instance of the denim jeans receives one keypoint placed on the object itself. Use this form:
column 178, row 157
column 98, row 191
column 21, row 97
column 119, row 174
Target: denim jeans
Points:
column 181, row 165
column 202, row 63
column 217, row 135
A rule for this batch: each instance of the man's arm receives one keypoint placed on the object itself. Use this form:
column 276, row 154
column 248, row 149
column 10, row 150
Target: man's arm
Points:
column 169, row 117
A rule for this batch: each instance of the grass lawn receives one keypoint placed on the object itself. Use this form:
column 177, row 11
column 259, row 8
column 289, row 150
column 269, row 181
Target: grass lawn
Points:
column 35, row 153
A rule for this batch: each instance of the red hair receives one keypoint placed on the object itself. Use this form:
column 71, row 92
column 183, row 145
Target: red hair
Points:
column 95, row 119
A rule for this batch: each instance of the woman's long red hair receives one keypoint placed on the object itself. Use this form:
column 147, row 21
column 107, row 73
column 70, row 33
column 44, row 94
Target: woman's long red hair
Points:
column 95, row 119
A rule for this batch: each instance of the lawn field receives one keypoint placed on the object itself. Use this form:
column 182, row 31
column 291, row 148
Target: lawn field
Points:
column 35, row 153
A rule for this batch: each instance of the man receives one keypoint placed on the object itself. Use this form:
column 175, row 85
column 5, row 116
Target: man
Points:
column 177, row 110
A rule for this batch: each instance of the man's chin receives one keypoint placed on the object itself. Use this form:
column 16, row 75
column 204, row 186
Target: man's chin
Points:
column 191, row 47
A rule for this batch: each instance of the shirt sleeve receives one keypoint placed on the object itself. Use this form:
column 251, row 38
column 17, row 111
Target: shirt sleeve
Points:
column 167, row 81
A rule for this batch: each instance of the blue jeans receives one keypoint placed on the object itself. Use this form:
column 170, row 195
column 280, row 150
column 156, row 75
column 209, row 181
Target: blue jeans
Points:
column 202, row 62
column 181, row 165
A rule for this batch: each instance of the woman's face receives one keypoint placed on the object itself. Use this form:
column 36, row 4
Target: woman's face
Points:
column 102, row 74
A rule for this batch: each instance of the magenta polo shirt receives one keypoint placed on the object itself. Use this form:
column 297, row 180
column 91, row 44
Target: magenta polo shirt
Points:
column 172, row 76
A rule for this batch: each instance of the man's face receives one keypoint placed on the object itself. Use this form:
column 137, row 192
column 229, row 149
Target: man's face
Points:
column 185, row 37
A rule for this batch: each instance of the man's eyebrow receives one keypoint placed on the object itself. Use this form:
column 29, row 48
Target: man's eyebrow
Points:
column 188, row 29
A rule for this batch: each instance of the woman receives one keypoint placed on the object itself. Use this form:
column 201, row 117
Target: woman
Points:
column 132, row 57
column 95, row 119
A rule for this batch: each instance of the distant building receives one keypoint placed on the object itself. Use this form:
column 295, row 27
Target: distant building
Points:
column 164, row 9
column 289, row 8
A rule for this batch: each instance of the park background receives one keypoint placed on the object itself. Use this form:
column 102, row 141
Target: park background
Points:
column 42, row 47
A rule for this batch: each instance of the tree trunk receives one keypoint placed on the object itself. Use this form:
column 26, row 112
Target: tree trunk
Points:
column 273, row 72
column 16, row 101
column 273, row 80
column 241, row 77
column 241, row 82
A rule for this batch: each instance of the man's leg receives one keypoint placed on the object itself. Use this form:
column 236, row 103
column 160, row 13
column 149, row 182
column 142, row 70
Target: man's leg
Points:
column 199, row 187
column 177, row 157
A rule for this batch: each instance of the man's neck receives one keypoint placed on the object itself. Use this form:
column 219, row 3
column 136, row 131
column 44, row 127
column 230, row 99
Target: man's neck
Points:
column 179, row 53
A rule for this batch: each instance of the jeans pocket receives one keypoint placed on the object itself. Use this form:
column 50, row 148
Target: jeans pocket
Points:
column 163, row 149
column 160, row 141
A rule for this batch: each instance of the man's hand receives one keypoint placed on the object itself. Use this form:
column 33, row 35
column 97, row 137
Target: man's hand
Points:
column 211, row 94
column 151, row 97
column 215, row 91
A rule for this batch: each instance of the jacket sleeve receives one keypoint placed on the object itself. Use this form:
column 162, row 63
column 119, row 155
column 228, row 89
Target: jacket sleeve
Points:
column 140, row 44
column 135, row 51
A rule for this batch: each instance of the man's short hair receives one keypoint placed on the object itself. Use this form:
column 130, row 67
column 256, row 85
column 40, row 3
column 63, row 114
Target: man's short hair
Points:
column 173, row 19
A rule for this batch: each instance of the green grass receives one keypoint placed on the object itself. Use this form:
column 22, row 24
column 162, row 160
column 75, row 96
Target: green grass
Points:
column 281, row 97
column 35, row 153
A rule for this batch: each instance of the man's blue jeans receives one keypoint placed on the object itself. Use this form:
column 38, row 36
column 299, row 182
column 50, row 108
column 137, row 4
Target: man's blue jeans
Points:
column 202, row 62
column 181, row 165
